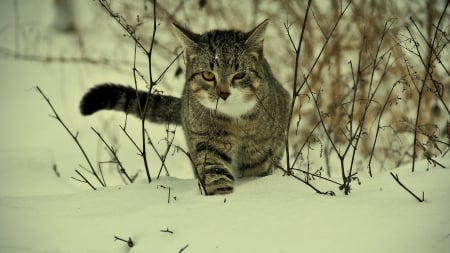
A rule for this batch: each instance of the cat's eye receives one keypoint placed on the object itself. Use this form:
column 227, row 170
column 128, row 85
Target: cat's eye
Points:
column 239, row 76
column 208, row 76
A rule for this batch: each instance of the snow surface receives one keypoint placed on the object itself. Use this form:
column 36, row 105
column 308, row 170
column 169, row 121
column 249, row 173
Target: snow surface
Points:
column 41, row 212
column 270, row 214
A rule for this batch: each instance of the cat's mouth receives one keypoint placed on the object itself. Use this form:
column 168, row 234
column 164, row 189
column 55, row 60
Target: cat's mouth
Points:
column 234, row 103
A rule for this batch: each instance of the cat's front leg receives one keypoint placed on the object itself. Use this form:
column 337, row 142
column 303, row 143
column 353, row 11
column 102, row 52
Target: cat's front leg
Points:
column 213, row 163
column 258, row 158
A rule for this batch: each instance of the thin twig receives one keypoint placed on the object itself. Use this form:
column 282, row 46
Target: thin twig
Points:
column 142, row 110
column 319, row 55
column 162, row 158
column 298, row 51
column 74, row 136
column 84, row 180
column 169, row 193
column 131, row 139
column 121, row 21
column 317, row 175
column 197, row 174
column 145, row 108
column 330, row 193
column 304, row 143
column 437, row 29
column 182, row 249
column 167, row 230
column 427, row 67
column 114, row 154
column 395, row 176
column 166, row 152
column 129, row 242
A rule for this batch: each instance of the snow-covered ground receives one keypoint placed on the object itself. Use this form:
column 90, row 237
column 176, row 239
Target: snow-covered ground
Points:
column 43, row 212
column 271, row 214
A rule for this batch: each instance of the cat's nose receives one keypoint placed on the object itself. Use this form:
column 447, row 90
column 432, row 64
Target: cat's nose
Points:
column 224, row 95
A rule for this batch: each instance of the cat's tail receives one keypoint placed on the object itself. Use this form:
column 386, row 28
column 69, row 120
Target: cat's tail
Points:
column 160, row 108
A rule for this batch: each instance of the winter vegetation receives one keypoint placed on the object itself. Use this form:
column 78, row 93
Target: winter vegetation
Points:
column 366, row 166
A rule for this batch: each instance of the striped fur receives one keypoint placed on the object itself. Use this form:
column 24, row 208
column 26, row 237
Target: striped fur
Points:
column 233, row 111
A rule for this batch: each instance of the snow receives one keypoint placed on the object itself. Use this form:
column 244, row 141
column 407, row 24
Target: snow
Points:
column 270, row 214
column 43, row 212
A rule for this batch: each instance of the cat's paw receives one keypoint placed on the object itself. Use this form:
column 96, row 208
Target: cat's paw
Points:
column 218, row 181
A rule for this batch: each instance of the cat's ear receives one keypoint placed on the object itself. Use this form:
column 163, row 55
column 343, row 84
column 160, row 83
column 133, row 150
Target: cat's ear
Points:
column 186, row 37
column 255, row 37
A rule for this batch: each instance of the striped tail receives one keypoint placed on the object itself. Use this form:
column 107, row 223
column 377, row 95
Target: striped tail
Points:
column 160, row 108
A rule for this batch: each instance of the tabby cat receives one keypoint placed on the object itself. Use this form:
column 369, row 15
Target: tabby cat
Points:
column 233, row 111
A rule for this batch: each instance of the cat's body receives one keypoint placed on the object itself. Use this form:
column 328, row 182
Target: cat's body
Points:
column 233, row 111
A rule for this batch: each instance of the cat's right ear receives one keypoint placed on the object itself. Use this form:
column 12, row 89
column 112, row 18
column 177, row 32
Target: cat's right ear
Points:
column 186, row 37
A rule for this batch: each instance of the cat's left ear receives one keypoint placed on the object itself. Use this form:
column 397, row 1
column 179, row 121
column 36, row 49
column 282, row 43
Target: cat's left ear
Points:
column 255, row 37
column 188, row 38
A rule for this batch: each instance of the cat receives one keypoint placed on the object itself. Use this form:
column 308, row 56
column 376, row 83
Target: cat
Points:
column 233, row 111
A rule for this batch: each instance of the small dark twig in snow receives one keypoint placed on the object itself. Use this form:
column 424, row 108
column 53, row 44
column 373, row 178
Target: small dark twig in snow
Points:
column 55, row 169
column 182, row 249
column 169, row 194
column 129, row 242
column 329, row 193
column 395, row 176
column 167, row 230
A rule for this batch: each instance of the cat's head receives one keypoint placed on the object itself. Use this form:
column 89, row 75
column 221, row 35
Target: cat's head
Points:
column 223, row 67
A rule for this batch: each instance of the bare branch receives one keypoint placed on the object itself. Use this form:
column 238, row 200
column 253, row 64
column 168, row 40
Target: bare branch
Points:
column 200, row 182
column 395, row 176
column 129, row 242
column 182, row 249
column 84, row 180
column 74, row 136
column 114, row 154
